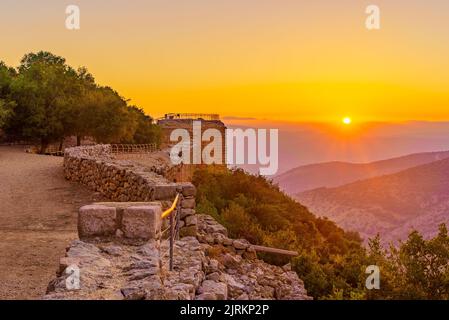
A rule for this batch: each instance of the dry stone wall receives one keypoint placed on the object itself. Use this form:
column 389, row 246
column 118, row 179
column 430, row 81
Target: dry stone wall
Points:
column 127, row 181
column 203, row 270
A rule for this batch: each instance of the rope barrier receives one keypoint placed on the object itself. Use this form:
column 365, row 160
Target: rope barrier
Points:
column 167, row 212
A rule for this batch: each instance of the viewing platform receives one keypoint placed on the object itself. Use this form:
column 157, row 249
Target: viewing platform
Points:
column 191, row 116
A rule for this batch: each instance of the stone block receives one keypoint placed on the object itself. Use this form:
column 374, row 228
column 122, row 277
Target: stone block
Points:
column 227, row 241
column 186, row 212
column 165, row 192
column 133, row 293
column 96, row 221
column 206, row 296
column 188, row 190
column 188, row 203
column 251, row 249
column 191, row 220
column 240, row 244
column 190, row 231
column 219, row 289
column 141, row 222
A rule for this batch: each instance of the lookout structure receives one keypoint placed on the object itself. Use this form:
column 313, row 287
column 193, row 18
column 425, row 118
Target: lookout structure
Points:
column 172, row 121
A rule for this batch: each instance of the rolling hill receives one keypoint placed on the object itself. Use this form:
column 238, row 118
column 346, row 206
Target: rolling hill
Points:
column 391, row 204
column 336, row 173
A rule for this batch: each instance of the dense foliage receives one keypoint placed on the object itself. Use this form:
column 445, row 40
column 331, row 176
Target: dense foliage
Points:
column 46, row 99
column 331, row 262
column 416, row 269
column 6, row 105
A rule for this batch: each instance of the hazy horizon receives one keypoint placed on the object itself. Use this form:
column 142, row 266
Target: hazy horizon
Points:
column 310, row 143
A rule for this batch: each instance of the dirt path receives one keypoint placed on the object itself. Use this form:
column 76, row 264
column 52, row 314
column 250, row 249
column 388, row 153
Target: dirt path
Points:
column 38, row 210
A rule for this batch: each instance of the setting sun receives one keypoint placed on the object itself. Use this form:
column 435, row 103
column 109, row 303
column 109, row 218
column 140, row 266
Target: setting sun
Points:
column 346, row 120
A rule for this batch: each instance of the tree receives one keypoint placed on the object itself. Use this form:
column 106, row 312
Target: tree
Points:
column 6, row 77
column 308, row 267
column 145, row 131
column 101, row 113
column 109, row 115
column 6, row 111
column 44, row 90
column 79, row 121
column 6, row 105
column 425, row 265
column 415, row 269
column 47, row 100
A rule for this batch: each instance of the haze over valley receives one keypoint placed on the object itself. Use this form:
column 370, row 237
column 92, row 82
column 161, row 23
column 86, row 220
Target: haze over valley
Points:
column 392, row 205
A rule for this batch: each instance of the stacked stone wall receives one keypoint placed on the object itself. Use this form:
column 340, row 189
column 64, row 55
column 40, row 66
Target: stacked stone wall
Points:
column 127, row 181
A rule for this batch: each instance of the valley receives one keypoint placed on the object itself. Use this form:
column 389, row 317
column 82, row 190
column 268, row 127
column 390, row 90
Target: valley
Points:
column 391, row 205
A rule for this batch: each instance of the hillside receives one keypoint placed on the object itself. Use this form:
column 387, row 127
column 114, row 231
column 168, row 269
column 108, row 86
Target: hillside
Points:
column 250, row 207
column 390, row 205
column 336, row 173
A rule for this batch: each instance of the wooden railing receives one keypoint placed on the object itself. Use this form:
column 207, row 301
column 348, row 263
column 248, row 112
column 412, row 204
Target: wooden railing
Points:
column 133, row 148
column 54, row 151
column 204, row 116
column 274, row 250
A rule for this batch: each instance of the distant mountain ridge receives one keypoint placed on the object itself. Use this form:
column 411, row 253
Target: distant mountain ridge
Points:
column 392, row 205
column 337, row 173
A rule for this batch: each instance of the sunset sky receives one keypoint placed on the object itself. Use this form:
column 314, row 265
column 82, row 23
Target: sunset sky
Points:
column 287, row 60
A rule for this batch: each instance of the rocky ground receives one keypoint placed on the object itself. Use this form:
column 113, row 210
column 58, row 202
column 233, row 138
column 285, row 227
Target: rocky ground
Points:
column 38, row 210
column 209, row 267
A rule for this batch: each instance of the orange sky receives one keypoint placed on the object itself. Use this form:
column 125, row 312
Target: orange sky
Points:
column 289, row 60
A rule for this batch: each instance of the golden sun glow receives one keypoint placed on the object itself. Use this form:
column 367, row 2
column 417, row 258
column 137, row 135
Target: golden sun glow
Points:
column 246, row 65
column 346, row 120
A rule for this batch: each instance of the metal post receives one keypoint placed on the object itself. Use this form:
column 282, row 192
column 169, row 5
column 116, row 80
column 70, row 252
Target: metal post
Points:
column 171, row 240
column 178, row 216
